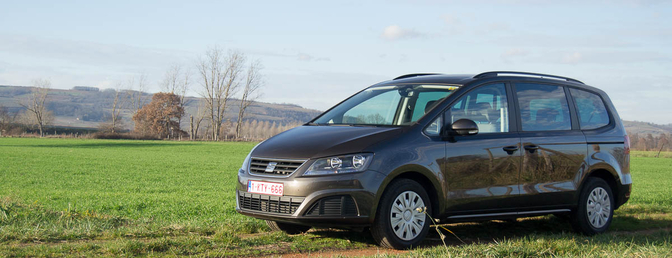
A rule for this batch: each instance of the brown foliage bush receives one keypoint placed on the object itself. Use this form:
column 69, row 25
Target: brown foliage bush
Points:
column 160, row 118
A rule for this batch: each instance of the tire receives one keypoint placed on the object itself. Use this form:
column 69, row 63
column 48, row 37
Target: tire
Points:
column 288, row 228
column 595, row 209
column 411, row 225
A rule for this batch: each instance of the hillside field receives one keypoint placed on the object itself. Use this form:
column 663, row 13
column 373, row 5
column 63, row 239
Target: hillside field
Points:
column 73, row 197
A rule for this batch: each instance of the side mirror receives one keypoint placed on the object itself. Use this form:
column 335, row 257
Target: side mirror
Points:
column 465, row 127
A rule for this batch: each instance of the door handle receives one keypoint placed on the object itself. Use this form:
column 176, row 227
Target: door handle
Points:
column 510, row 149
column 531, row 148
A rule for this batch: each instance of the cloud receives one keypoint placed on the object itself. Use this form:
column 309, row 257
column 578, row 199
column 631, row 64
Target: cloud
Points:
column 513, row 53
column 394, row 32
column 308, row 58
column 450, row 20
column 287, row 53
column 550, row 41
column 85, row 52
column 496, row 26
column 74, row 62
column 602, row 57
column 572, row 58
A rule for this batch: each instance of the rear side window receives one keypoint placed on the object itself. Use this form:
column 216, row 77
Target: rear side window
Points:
column 543, row 107
column 592, row 112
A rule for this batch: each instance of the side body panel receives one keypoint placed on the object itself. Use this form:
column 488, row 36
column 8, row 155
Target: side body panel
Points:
column 549, row 174
column 480, row 175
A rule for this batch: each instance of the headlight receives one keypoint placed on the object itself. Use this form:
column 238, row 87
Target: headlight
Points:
column 340, row 164
column 246, row 162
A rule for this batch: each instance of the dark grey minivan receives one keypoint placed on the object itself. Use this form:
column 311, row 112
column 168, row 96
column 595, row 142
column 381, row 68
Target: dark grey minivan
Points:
column 497, row 145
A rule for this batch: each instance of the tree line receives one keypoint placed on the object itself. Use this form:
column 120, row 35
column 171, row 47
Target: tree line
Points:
column 649, row 142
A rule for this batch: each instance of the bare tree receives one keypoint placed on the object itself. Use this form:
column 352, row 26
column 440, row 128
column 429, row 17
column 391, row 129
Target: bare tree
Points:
column 253, row 82
column 6, row 120
column 201, row 114
column 116, row 109
column 176, row 81
column 171, row 79
column 219, row 81
column 136, row 88
column 35, row 104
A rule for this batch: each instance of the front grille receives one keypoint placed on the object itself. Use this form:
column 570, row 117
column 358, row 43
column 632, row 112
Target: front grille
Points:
column 341, row 205
column 268, row 203
column 277, row 167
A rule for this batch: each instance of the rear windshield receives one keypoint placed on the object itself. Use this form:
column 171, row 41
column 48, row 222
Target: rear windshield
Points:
column 387, row 105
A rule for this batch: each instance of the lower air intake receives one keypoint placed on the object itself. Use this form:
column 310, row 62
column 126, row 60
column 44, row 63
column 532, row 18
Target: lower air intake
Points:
column 341, row 205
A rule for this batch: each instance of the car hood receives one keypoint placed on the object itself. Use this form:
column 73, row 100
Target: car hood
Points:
column 305, row 142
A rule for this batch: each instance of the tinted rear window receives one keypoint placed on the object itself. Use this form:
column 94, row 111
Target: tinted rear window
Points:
column 592, row 111
column 543, row 107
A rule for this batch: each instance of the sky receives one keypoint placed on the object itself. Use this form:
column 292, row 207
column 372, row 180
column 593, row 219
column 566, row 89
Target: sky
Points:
column 316, row 53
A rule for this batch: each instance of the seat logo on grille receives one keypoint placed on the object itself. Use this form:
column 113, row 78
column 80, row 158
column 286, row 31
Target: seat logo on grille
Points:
column 270, row 167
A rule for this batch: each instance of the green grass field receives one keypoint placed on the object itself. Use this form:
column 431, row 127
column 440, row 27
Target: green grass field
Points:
column 73, row 197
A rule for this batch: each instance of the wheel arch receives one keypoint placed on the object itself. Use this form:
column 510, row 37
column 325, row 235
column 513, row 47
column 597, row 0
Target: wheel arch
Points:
column 421, row 175
column 611, row 177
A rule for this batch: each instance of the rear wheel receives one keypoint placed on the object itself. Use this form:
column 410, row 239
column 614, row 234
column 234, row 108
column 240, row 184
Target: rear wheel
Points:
column 288, row 228
column 401, row 221
column 596, row 207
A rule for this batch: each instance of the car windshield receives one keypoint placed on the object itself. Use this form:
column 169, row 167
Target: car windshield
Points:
column 386, row 105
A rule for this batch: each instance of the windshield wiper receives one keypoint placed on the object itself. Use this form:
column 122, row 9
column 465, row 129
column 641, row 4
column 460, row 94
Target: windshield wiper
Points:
column 319, row 124
column 373, row 125
column 368, row 125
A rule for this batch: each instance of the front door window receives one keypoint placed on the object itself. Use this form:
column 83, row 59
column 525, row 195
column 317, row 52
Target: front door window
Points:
column 487, row 106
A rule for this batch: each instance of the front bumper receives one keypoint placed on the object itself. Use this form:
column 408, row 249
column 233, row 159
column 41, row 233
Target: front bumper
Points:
column 345, row 201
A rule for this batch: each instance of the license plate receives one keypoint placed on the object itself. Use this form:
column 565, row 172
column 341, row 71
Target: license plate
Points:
column 265, row 188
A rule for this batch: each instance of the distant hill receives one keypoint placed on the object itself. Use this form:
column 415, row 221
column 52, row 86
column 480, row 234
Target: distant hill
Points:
column 87, row 107
column 644, row 128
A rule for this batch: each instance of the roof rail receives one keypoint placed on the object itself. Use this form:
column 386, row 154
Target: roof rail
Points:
column 414, row 75
column 498, row 73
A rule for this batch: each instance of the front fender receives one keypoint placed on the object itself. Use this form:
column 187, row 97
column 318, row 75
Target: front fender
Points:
column 419, row 173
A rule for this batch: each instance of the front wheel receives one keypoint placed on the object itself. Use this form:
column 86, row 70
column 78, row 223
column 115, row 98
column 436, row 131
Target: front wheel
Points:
column 596, row 208
column 401, row 221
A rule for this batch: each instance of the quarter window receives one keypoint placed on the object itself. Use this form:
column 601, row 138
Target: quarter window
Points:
column 592, row 112
column 543, row 107
column 434, row 128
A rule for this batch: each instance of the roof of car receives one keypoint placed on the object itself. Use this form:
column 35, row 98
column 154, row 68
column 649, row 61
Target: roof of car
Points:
column 431, row 78
column 461, row 79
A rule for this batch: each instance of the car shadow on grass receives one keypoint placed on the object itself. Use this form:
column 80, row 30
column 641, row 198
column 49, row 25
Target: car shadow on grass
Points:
column 496, row 231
